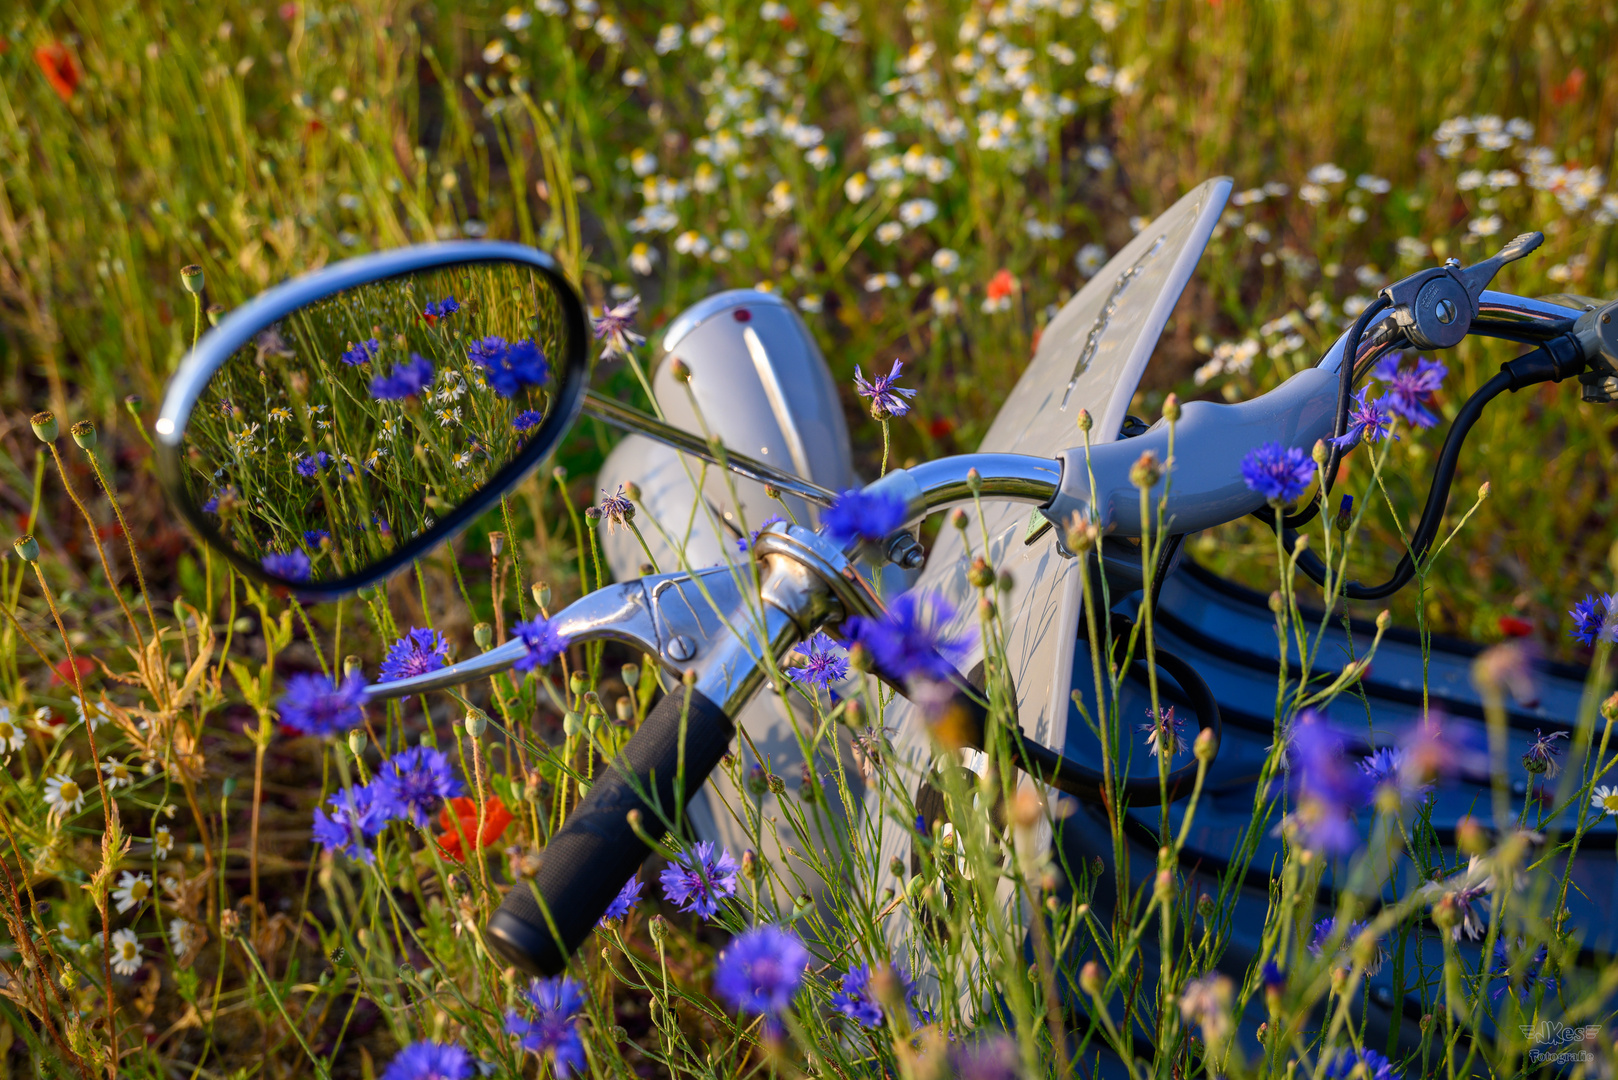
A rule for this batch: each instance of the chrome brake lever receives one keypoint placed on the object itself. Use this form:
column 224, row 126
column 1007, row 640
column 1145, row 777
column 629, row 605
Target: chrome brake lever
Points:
column 1435, row 307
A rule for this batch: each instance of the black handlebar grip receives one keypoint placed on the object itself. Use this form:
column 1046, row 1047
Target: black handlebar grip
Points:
column 587, row 862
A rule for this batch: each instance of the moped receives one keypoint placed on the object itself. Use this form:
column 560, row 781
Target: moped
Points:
column 733, row 567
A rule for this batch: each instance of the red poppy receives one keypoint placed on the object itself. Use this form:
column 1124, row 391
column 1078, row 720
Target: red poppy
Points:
column 63, row 675
column 1569, row 88
column 1002, row 285
column 496, row 818
column 59, row 68
column 1511, row 626
column 940, row 427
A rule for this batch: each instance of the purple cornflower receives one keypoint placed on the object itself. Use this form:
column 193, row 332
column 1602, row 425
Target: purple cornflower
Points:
column 313, row 537
column 616, row 508
column 410, row 783
column 418, row 652
column 1367, row 421
column 354, row 817
column 227, row 492
column 1278, row 474
column 545, row 643
column 431, row 1061
column 993, row 1058
column 359, row 354
column 886, row 398
column 697, row 880
column 613, row 325
column 1164, row 735
column 1385, row 767
column 1410, row 392
column 908, row 642
column 856, row 1001
column 1273, row 978
column 527, row 419
column 1466, row 896
column 625, row 901
column 760, row 971
column 1596, row 616
column 745, row 543
column 440, row 309
column 405, row 381
column 309, row 465
column 314, row 705
column 1540, row 757
column 1328, row 788
column 554, row 1032
column 863, row 515
column 510, row 368
column 1325, row 928
column 821, row 666
column 1364, row 1064
column 288, row 565
column 1532, row 973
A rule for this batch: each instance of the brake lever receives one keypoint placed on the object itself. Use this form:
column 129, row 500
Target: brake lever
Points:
column 1435, row 307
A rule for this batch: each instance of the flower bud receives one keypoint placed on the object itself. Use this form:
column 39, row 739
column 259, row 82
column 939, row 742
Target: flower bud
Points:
column 658, row 927
column 133, row 404
column 981, row 575
column 477, row 721
column 1163, row 886
column 1471, row 837
column 1090, row 978
column 45, row 426
column 776, row 785
column 680, row 370
column 483, row 635
column 69, row 979
column 215, row 312
column 896, row 867
column 1026, row 808
column 1609, row 708
column 27, row 548
column 757, row 782
column 1086, row 422
column 1384, row 619
column 1005, row 582
column 1276, row 603
column 1146, row 471
column 749, row 865
column 542, row 595
column 1320, row 452
column 631, row 675
column 974, row 481
column 497, row 543
column 356, row 742
column 1345, row 513
column 1098, row 866
column 84, row 433
column 1171, row 408
column 986, row 608
column 559, row 474
column 1205, row 905
column 632, row 492
column 1426, row 1022
column 191, row 278
column 1206, row 746
column 959, row 519
column 859, row 657
column 1483, row 491
column 1445, row 916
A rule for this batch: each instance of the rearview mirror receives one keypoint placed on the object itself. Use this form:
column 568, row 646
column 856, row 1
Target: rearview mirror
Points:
column 339, row 425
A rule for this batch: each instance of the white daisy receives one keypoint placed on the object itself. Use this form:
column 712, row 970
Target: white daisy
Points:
column 11, row 735
column 446, row 417
column 162, row 842
column 66, row 930
column 93, row 713
column 62, row 794
column 118, row 774
column 132, row 890
column 125, row 952
column 185, row 936
column 463, row 459
column 1605, row 799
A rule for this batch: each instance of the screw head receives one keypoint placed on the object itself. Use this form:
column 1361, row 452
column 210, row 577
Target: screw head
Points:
column 1445, row 311
column 680, row 648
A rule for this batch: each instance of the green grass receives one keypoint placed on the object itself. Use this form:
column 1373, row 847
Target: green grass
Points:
column 830, row 157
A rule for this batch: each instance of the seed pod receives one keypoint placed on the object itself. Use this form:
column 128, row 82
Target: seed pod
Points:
column 542, row 595
column 631, row 675
column 477, row 721
column 215, row 312
column 624, row 709
column 577, row 683
column 356, row 742
column 84, row 433
column 572, row 724
column 191, row 278
column 497, row 543
column 351, row 664
column 27, row 548
column 483, row 635
column 45, row 426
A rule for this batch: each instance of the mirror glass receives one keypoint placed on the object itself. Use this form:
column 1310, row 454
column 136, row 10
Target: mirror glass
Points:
column 356, row 424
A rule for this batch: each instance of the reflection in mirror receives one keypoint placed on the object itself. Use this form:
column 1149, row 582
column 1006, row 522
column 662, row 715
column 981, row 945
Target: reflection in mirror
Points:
column 359, row 421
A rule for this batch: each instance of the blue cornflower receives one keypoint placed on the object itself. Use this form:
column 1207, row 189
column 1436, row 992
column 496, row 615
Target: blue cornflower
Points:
column 697, row 880
column 288, row 566
column 744, row 543
column 364, row 351
column 545, row 643
column 1325, row 928
column 886, row 398
column 1273, row 978
column 1540, row 757
column 431, row 1061
column 1596, row 616
column 1367, row 421
column 908, row 642
column 1532, row 973
column 440, row 309
column 856, row 1001
column 1165, row 734
column 1278, row 474
column 313, row 537
column 1386, row 767
column 554, row 1032
column 527, row 419
column 227, row 492
column 510, row 368
column 1364, row 1064
column 314, row 705
column 354, row 817
column 405, row 381
column 863, row 515
column 616, row 507
column 625, row 901
column 821, row 665
column 1410, row 392
column 1328, row 788
column 410, row 783
column 418, row 652
column 310, row 464
column 760, row 971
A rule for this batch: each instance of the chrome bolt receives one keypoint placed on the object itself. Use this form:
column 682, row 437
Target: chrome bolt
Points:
column 1445, row 310
column 680, row 648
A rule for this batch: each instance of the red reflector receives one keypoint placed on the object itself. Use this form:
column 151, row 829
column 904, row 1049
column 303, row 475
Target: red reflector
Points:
column 741, row 314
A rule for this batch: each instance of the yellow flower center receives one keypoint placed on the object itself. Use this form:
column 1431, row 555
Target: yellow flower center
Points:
column 127, row 950
column 69, row 791
column 1610, row 802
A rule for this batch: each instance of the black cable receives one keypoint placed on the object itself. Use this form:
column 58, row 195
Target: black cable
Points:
column 1552, row 362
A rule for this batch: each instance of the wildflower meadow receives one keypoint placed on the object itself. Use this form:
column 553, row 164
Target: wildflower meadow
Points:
column 219, row 858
